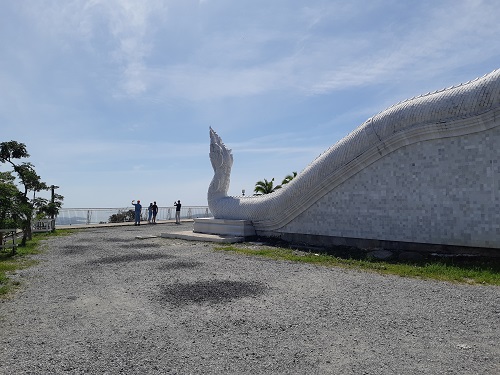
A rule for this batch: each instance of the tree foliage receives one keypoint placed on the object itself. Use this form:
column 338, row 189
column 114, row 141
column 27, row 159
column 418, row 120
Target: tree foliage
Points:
column 288, row 178
column 17, row 206
column 10, row 201
column 122, row 216
column 267, row 187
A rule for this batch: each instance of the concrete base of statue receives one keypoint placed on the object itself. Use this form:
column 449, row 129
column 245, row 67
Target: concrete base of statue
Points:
column 216, row 230
column 223, row 227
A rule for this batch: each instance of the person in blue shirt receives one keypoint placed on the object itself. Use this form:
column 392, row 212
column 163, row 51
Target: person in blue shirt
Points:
column 138, row 209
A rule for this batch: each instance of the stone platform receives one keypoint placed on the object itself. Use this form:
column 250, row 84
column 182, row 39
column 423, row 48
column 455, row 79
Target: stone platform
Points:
column 193, row 236
column 240, row 228
column 216, row 230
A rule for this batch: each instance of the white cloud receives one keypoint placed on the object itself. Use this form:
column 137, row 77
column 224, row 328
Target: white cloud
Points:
column 316, row 64
column 304, row 54
column 119, row 29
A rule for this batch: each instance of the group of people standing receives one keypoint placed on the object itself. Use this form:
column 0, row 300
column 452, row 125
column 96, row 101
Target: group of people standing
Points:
column 153, row 211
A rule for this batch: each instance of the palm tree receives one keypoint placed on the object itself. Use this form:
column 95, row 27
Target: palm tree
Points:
column 265, row 187
column 289, row 178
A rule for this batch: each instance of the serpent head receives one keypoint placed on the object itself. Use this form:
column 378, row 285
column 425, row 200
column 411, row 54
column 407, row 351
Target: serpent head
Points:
column 220, row 156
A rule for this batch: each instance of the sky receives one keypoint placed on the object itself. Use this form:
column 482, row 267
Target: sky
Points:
column 114, row 98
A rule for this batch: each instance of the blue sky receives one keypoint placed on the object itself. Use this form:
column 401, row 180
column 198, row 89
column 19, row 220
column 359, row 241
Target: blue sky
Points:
column 114, row 98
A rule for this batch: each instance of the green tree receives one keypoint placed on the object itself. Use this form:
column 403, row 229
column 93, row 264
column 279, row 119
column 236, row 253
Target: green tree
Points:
column 288, row 178
column 9, row 201
column 265, row 187
column 122, row 216
column 48, row 208
column 23, row 207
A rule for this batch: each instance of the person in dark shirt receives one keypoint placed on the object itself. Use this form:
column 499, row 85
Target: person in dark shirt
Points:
column 150, row 213
column 177, row 212
column 155, row 212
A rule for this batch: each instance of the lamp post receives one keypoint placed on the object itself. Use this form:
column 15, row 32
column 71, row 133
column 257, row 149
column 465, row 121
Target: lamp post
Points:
column 52, row 201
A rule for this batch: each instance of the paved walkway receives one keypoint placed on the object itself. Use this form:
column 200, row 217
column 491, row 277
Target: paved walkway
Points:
column 184, row 231
column 126, row 224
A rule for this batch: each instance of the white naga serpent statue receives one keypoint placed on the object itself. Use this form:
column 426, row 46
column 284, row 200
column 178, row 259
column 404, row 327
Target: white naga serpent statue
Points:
column 459, row 110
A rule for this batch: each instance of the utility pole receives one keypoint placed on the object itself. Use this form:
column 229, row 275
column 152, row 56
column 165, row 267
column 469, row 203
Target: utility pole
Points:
column 52, row 201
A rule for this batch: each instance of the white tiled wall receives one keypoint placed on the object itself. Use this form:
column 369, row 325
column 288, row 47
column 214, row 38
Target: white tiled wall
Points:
column 437, row 191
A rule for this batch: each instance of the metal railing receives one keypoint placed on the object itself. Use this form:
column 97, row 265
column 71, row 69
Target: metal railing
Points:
column 8, row 239
column 42, row 225
column 87, row 216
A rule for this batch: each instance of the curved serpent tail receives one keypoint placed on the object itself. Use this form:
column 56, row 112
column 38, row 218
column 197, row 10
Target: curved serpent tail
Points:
column 459, row 110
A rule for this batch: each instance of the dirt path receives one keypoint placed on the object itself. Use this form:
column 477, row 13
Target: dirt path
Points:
column 103, row 302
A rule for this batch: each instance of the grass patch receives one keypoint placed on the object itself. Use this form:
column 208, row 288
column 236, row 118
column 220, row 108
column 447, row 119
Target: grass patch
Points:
column 472, row 272
column 10, row 263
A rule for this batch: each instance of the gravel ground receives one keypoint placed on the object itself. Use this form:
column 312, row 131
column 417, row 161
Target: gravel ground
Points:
column 103, row 302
